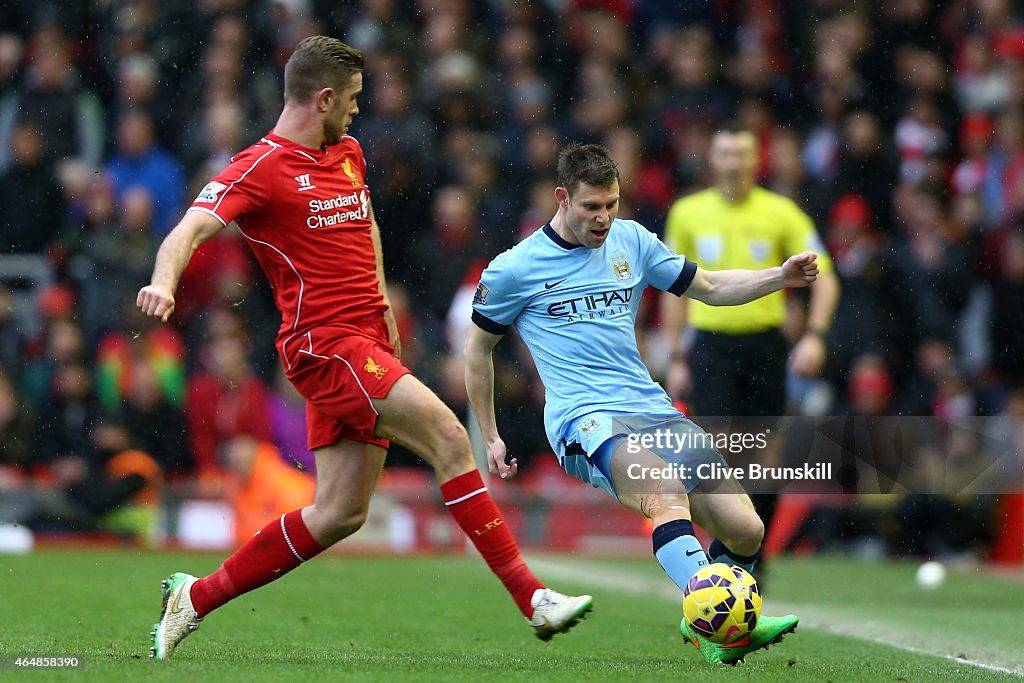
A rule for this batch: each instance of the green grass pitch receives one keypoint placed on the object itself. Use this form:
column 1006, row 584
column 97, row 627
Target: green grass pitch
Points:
column 447, row 618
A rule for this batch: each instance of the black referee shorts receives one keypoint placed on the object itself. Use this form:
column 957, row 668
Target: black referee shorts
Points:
column 739, row 375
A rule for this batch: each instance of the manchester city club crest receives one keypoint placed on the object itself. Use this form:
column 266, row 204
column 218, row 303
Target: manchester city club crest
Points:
column 620, row 264
column 590, row 424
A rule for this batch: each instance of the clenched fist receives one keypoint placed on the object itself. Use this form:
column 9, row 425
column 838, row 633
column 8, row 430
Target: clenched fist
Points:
column 156, row 301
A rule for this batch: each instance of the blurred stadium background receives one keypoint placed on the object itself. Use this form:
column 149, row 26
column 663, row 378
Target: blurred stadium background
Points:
column 898, row 126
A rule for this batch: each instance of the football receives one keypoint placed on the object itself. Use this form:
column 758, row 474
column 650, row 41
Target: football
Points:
column 722, row 603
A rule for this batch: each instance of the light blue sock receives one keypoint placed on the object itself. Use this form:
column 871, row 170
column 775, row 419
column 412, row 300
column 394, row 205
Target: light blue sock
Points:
column 678, row 551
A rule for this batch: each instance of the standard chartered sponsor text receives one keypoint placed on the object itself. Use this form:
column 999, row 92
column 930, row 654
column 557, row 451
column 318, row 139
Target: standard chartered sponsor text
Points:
column 317, row 207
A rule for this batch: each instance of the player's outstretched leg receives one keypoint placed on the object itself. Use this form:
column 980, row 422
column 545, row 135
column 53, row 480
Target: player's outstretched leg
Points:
column 769, row 630
column 414, row 417
column 178, row 617
column 728, row 514
column 277, row 549
column 547, row 611
column 346, row 474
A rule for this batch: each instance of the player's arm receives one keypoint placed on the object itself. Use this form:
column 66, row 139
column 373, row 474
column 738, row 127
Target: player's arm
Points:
column 389, row 314
column 735, row 287
column 157, row 298
column 808, row 356
column 480, row 389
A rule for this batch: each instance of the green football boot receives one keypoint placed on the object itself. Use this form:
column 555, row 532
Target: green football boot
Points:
column 706, row 647
column 769, row 630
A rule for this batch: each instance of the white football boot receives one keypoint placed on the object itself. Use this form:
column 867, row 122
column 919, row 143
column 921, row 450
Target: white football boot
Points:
column 178, row 616
column 556, row 613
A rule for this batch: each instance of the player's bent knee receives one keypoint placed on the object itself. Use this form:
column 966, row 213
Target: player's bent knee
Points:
column 347, row 525
column 453, row 432
column 450, row 442
column 341, row 523
column 746, row 537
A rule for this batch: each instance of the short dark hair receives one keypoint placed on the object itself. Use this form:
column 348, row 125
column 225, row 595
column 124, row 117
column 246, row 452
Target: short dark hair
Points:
column 320, row 62
column 590, row 164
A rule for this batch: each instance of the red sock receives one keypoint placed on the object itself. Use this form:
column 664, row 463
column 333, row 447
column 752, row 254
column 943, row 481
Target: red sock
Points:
column 278, row 548
column 473, row 508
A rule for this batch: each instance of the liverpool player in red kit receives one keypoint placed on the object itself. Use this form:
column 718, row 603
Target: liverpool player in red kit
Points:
column 299, row 198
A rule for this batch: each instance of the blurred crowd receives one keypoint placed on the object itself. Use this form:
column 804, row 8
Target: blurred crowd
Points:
column 898, row 126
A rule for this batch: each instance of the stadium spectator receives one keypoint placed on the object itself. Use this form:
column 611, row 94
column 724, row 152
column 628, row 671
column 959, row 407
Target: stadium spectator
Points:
column 865, row 166
column 223, row 132
column 975, row 137
column 856, row 249
column 445, row 253
column 62, row 344
column 54, row 100
column 1007, row 332
column 31, row 206
column 141, row 161
column 12, row 337
column 16, row 431
column 119, row 254
column 225, row 399
column 67, row 416
column 12, row 49
column 261, row 485
column 287, row 414
column 692, row 93
column 156, row 424
column 119, row 351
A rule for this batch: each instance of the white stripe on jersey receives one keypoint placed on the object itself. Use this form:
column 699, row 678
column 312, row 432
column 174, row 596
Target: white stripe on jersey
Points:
column 302, row 288
column 273, row 147
column 205, row 210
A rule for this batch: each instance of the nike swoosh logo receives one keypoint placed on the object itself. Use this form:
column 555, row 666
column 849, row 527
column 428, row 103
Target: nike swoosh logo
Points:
column 176, row 606
column 693, row 552
column 554, row 284
column 742, row 642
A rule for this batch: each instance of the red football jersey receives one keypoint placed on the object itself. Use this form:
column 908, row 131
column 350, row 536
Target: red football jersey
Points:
column 306, row 215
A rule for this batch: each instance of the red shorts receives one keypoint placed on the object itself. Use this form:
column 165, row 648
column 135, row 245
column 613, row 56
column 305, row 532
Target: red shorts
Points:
column 338, row 375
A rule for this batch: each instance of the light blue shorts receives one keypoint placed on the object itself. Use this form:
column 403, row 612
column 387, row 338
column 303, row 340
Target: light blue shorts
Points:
column 594, row 438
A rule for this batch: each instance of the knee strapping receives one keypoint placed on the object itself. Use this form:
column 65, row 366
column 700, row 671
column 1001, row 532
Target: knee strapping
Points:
column 661, row 500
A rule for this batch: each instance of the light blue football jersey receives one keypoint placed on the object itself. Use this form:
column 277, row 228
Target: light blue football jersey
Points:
column 576, row 308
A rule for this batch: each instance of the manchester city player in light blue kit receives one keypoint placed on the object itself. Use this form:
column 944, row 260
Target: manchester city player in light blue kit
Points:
column 571, row 289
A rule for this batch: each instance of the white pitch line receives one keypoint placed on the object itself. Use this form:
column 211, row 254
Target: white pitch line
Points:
column 638, row 584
